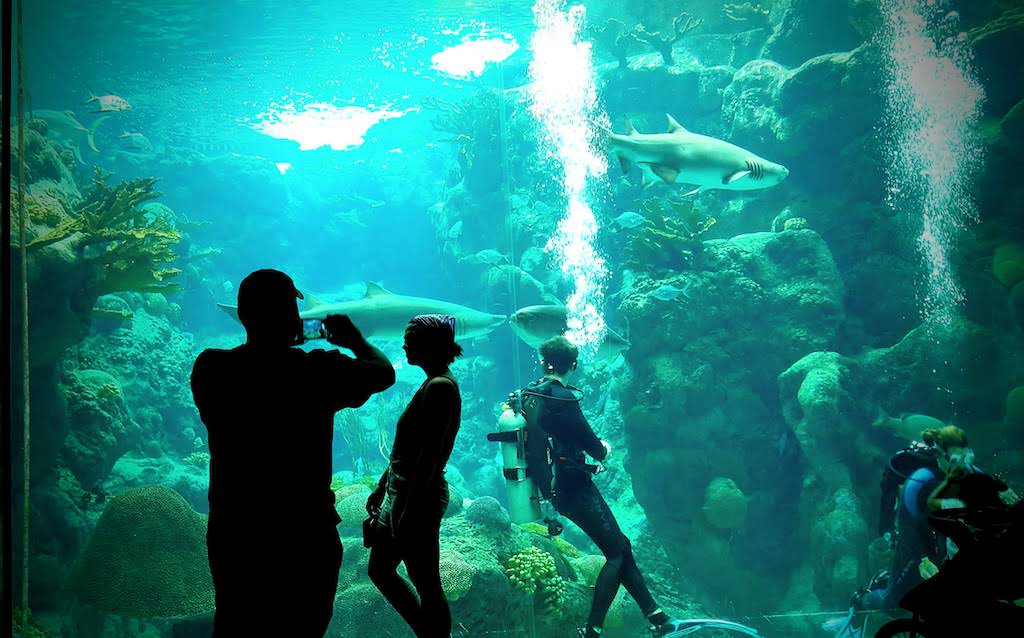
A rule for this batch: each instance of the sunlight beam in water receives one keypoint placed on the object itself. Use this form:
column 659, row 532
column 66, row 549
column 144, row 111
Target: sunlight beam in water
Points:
column 563, row 99
column 933, row 102
column 321, row 124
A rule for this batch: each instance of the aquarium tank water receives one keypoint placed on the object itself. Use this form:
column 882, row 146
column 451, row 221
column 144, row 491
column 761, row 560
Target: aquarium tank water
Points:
column 785, row 237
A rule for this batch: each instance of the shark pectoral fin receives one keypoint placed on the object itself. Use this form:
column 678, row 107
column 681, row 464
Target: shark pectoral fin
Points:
column 674, row 126
column 231, row 310
column 90, row 133
column 693, row 192
column 738, row 175
column 375, row 289
column 666, row 173
column 625, row 163
column 311, row 301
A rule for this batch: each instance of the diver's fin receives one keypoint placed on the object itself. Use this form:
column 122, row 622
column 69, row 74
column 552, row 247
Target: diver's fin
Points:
column 231, row 310
column 374, row 289
column 738, row 175
column 311, row 301
column 625, row 163
column 666, row 173
column 674, row 126
column 693, row 192
column 630, row 130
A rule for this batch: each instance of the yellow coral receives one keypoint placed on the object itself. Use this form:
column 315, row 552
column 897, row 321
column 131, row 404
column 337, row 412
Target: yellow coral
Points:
column 113, row 235
column 533, row 571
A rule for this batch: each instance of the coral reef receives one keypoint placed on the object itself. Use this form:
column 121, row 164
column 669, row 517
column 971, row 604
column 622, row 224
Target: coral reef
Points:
column 533, row 571
column 682, row 24
column 725, row 505
column 111, row 234
column 147, row 558
column 456, row 575
column 487, row 511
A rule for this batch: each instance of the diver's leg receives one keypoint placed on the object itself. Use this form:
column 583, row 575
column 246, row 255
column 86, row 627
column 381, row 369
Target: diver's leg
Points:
column 383, row 572
column 588, row 510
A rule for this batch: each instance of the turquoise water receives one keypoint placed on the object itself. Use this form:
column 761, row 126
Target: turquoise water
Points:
column 852, row 267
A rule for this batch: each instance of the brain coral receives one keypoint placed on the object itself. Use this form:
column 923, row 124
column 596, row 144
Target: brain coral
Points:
column 487, row 511
column 588, row 567
column 456, row 574
column 352, row 510
column 1008, row 264
column 725, row 506
column 146, row 558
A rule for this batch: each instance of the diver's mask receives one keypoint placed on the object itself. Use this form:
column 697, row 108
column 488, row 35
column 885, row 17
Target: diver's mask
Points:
column 957, row 458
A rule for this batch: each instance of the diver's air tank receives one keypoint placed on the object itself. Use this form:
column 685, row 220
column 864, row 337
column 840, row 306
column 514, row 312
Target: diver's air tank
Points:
column 523, row 496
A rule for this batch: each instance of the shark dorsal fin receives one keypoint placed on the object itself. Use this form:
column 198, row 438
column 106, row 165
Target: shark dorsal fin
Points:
column 673, row 126
column 311, row 301
column 630, row 130
column 374, row 289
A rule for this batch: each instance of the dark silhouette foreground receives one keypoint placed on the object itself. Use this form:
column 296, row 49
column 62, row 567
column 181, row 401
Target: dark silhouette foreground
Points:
column 268, row 408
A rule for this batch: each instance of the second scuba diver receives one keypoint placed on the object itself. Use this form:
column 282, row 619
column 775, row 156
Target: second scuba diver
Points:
column 923, row 478
column 573, row 493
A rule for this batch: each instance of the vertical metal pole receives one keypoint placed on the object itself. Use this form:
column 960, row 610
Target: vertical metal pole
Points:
column 6, row 440
column 507, row 201
column 25, row 368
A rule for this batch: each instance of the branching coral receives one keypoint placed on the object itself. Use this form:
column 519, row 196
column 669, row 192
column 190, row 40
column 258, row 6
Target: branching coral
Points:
column 112, row 233
column 616, row 38
column 681, row 25
column 670, row 233
column 533, row 571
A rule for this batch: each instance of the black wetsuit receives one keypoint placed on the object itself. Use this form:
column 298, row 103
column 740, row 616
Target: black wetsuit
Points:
column 273, row 543
column 577, row 498
column 416, row 494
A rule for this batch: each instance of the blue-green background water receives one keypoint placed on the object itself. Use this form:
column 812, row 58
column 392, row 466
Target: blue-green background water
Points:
column 769, row 329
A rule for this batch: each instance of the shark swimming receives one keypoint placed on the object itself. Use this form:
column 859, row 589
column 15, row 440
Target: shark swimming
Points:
column 63, row 127
column 688, row 158
column 536, row 324
column 383, row 315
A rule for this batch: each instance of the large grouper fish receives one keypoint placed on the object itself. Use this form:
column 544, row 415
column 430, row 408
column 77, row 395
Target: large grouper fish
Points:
column 384, row 315
column 688, row 158
column 536, row 324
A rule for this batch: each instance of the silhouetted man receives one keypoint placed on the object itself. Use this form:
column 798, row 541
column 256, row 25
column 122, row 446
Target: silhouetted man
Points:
column 268, row 407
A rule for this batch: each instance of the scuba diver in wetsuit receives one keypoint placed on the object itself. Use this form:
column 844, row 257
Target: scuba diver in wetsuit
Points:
column 574, row 494
column 923, row 478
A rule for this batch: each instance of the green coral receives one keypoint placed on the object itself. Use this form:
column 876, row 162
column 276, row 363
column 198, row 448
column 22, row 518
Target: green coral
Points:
column 147, row 558
column 113, row 235
column 565, row 548
column 725, row 505
column 670, row 233
column 198, row 459
column 456, row 574
column 533, row 572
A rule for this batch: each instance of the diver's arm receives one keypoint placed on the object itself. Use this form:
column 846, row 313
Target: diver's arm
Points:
column 438, row 403
column 576, row 425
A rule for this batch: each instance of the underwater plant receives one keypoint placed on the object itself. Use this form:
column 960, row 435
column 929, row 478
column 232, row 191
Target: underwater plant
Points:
column 669, row 235
column 113, row 235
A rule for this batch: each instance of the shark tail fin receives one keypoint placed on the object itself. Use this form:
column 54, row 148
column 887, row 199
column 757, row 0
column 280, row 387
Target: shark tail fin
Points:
column 231, row 310
column 90, row 133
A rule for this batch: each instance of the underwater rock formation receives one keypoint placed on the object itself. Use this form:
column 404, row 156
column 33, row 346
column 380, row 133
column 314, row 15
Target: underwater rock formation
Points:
column 811, row 27
column 698, row 400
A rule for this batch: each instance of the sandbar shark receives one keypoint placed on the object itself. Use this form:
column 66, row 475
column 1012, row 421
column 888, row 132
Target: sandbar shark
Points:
column 63, row 127
column 706, row 162
column 536, row 324
column 384, row 315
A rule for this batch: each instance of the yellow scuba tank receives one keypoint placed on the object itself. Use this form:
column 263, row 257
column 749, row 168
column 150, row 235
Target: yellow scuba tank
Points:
column 524, row 498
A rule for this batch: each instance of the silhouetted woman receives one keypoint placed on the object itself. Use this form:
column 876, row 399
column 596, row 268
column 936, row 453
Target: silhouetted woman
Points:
column 412, row 495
